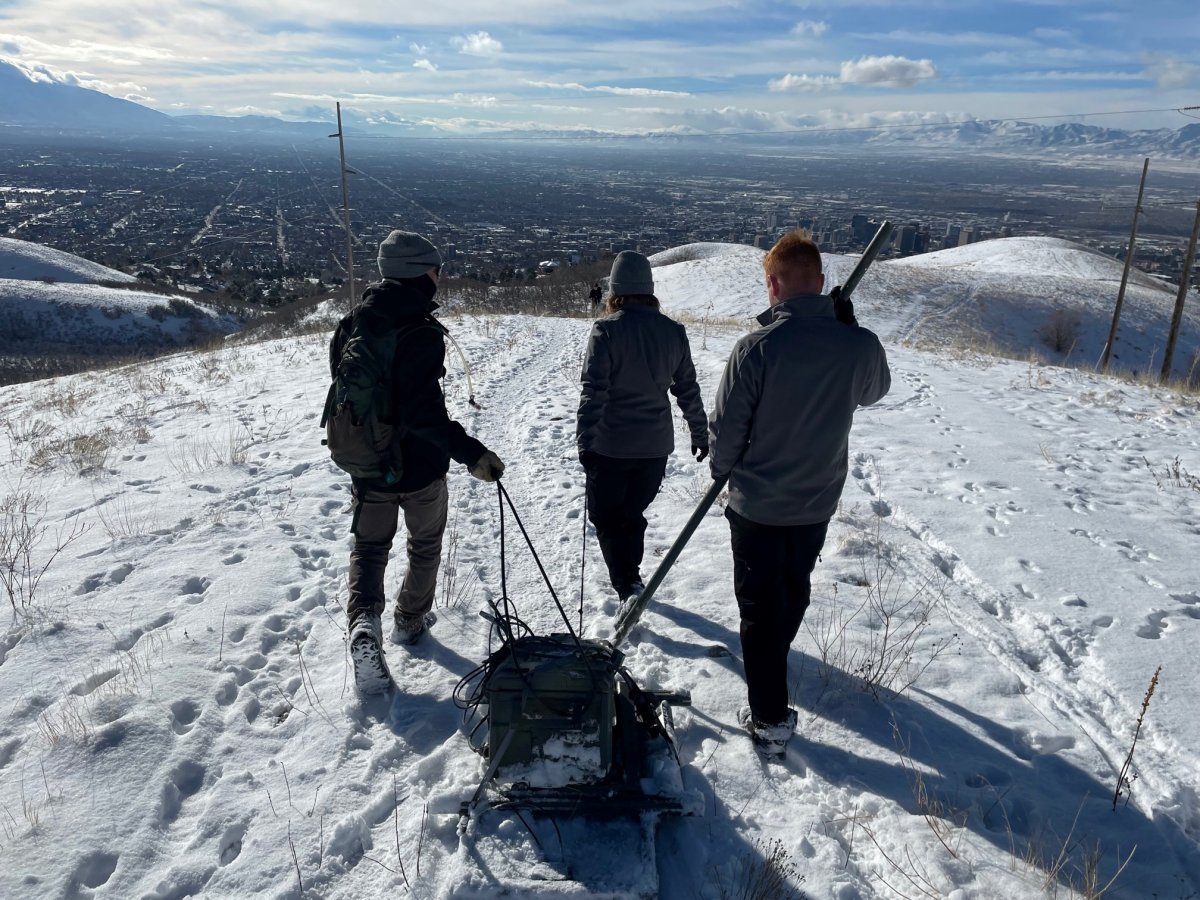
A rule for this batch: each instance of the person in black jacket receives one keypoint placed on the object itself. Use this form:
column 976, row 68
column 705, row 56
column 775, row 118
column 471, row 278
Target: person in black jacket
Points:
column 635, row 355
column 425, row 440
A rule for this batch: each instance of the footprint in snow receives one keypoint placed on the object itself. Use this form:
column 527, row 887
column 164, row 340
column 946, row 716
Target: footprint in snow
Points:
column 92, row 872
column 230, row 846
column 183, row 715
column 1154, row 626
column 183, row 783
column 194, row 589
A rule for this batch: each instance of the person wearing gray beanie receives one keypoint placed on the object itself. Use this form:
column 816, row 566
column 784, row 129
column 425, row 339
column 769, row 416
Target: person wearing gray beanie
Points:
column 635, row 356
column 393, row 330
column 631, row 275
column 405, row 254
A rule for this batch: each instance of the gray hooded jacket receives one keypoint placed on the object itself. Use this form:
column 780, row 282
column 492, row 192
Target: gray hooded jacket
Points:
column 781, row 425
column 634, row 356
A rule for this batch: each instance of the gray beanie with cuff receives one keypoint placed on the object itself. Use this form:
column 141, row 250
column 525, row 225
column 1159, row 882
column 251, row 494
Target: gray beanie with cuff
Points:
column 404, row 254
column 630, row 275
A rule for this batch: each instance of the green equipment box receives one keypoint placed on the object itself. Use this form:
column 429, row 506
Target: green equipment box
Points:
column 551, row 708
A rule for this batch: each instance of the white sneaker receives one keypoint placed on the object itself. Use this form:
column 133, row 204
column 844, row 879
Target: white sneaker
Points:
column 408, row 629
column 371, row 675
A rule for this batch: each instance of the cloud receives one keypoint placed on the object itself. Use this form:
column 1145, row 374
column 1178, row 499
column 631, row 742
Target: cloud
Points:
column 126, row 54
column 1076, row 75
column 791, row 82
column 418, row 49
column 607, row 89
column 808, row 27
column 988, row 39
column 734, row 119
column 1170, row 73
column 887, row 70
column 892, row 71
column 478, row 44
column 426, row 65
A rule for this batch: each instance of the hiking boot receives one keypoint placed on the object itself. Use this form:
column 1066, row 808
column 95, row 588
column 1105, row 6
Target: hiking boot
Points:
column 769, row 740
column 408, row 629
column 631, row 592
column 371, row 675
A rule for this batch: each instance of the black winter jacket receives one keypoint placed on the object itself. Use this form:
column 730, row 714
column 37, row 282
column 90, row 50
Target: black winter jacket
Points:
column 427, row 437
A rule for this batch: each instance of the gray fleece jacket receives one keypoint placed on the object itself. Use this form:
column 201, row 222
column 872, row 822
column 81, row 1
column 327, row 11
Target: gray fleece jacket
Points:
column 781, row 425
column 635, row 356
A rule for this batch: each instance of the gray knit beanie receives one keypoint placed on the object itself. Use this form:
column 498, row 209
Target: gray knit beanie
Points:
column 630, row 275
column 404, row 254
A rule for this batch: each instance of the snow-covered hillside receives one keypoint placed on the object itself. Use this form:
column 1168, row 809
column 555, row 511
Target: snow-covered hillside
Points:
column 177, row 719
column 26, row 261
column 1018, row 296
column 51, row 310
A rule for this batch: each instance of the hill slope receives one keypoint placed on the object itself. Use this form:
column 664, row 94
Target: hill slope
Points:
column 53, row 318
column 27, row 261
column 1018, row 295
column 177, row 719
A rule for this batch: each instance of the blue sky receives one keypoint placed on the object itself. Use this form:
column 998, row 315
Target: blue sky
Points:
column 474, row 66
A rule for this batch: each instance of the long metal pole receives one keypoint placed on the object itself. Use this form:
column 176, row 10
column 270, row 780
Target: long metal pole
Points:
column 630, row 614
column 346, row 210
column 1116, row 320
column 1185, row 282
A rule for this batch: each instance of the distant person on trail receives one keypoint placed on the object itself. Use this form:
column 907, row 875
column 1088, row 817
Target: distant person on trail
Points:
column 596, row 297
column 624, row 432
column 780, row 430
column 423, row 441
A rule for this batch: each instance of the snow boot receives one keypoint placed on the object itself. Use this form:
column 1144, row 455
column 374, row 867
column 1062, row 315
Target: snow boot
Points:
column 769, row 740
column 371, row 675
column 408, row 629
column 631, row 592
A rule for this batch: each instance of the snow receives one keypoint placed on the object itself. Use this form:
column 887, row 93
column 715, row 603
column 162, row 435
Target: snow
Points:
column 27, row 261
column 1004, row 295
column 49, row 304
column 177, row 719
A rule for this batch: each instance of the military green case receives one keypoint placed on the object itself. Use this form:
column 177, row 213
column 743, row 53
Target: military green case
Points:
column 556, row 702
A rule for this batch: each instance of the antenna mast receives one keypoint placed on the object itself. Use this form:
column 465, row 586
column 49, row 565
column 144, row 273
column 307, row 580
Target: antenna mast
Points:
column 345, row 209
column 1116, row 319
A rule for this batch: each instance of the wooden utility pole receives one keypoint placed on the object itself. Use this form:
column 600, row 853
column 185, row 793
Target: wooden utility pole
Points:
column 1185, row 282
column 346, row 210
column 1112, row 333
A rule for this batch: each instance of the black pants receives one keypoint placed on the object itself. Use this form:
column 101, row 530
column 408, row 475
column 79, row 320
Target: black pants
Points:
column 618, row 492
column 771, row 569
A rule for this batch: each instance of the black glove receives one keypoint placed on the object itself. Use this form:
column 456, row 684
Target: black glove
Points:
column 587, row 459
column 700, row 451
column 843, row 310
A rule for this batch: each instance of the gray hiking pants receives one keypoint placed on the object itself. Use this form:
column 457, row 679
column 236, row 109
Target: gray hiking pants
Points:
column 376, row 517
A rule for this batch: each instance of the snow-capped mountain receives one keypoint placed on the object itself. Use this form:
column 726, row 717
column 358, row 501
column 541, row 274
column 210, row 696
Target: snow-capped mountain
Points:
column 36, row 98
column 33, row 97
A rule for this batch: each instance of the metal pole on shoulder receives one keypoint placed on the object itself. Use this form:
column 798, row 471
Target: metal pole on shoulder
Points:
column 1185, row 282
column 1116, row 320
column 632, row 611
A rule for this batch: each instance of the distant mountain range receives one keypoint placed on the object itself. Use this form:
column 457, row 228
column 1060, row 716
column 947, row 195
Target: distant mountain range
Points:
column 33, row 102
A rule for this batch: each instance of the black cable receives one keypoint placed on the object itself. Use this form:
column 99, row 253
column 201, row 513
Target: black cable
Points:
column 549, row 586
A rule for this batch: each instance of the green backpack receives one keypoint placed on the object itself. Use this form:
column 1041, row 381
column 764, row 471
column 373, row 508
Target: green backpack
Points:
column 359, row 421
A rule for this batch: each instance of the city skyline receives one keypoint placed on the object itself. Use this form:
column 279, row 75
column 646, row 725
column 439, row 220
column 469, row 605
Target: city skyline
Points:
column 705, row 66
